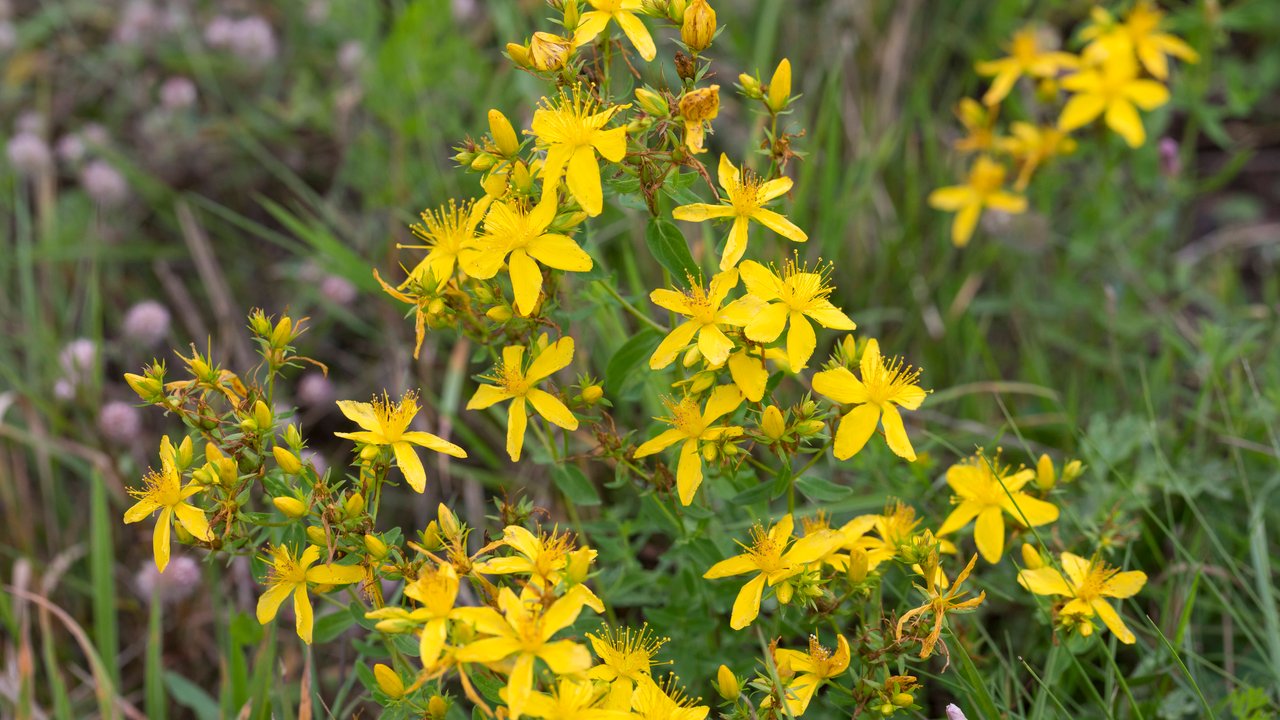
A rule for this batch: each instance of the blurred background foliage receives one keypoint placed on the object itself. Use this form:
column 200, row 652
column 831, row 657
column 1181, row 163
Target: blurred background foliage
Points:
column 171, row 165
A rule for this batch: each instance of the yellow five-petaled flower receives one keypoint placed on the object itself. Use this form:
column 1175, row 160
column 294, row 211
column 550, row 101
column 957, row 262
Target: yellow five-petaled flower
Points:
column 693, row 428
column 811, row 669
column 1112, row 88
column 623, row 12
column 436, row 588
column 163, row 491
column 702, row 307
column 1088, row 583
column 385, row 424
column 874, row 397
column 573, row 132
column 987, row 490
column 289, row 574
column 983, row 189
column 748, row 195
column 1026, row 57
column 795, row 297
column 512, row 381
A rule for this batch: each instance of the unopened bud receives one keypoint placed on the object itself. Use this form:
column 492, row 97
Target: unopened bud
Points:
column 699, row 26
column 571, row 15
column 449, row 526
column 483, row 161
column 591, row 394
column 293, row 436
column 375, row 546
column 148, row 389
column 498, row 313
column 579, row 565
column 504, row 136
column 262, row 415
column 780, row 86
column 259, row 323
column 353, row 505
column 727, row 684
column 785, row 592
column 903, row 700
column 519, row 54
column 185, row 453
column 388, row 681
column 282, row 333
column 437, row 707
column 316, row 536
column 431, row 536
column 1072, row 471
column 287, row 461
column 291, row 507
column 1045, row 475
column 369, row 452
column 859, row 565
column 652, row 103
column 709, row 452
column 750, row 86
column 772, row 423
column 810, row 427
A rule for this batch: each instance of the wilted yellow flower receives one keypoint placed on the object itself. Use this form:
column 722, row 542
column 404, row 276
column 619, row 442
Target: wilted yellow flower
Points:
column 1138, row 35
column 522, row 240
column 795, row 297
column 811, row 669
column 939, row 600
column 445, row 231
column 512, row 381
column 697, row 108
column 384, row 424
column 874, row 397
column 1111, row 89
column 699, row 26
column 288, row 574
column 747, row 196
column 548, row 52
column 702, row 307
column 163, row 491
column 623, row 12
column 986, row 490
column 1026, row 57
column 1087, row 583
column 775, row 558
column 572, row 129
column 984, row 189
column 693, row 428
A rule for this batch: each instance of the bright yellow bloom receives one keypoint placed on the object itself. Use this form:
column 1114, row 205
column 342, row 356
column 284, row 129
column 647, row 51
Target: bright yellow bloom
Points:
column 573, row 132
column 748, row 194
column 622, row 12
column 1138, row 35
column 986, row 490
column 436, row 588
column 384, row 424
column 795, row 297
column 811, row 669
column 524, row 630
column 626, row 660
column 697, row 108
column 1026, row 57
column 521, row 240
column 571, row 700
column 446, row 231
column 939, row 600
column 1087, row 583
column 980, row 122
column 1113, row 88
column 984, row 189
column 693, row 428
column 769, row 555
column 702, row 307
column 1032, row 146
column 883, row 385
column 545, row 558
column 163, row 491
column 653, row 701
column 512, row 381
column 289, row 574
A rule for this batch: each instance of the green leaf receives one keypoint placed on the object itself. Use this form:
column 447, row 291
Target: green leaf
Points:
column 816, row 488
column 669, row 248
column 575, row 485
column 640, row 346
column 330, row 626
column 192, row 697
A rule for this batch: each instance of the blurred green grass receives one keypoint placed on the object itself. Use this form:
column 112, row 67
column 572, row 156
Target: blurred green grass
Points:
column 1130, row 319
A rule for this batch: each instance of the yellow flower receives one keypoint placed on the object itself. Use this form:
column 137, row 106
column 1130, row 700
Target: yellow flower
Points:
column 622, row 12
column 979, row 121
column 747, row 197
column 571, row 700
column 812, row 668
column 289, row 574
column 1026, row 57
column 521, row 240
column 702, row 307
column 1113, row 88
column 1139, row 35
column 163, row 491
column 626, row 660
column 437, row 590
column 573, row 132
column 986, row 490
column 693, row 428
column 883, row 385
column 385, row 424
column 1087, row 583
column 524, row 630
column 770, row 556
column 1033, row 146
column 656, row 702
column 544, row 558
column 794, row 297
column 697, row 108
column 984, row 189
column 512, row 381
column 446, row 231
column 939, row 600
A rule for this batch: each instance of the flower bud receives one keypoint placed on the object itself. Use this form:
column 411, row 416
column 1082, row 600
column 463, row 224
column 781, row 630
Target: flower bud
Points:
column 375, row 546
column 1031, row 557
column 519, row 54
column 504, row 136
column 903, row 700
column 859, row 565
column 262, row 415
column 810, row 427
column 369, row 452
column 699, row 26
column 675, row 10
column 579, row 565
column 652, row 103
column 498, row 313
column 185, row 454
column 388, row 681
column 549, row 52
column 591, row 394
column 259, row 324
column 785, row 592
column 431, row 536
column 888, row 709
column 1072, row 471
column 727, row 684
column 449, row 526
column 1045, row 475
column 521, row 178
column 437, row 707
column 353, row 505
column 772, row 423
column 709, row 452
column 483, row 161
column 282, row 333
column 291, row 507
column 780, row 87
column 287, row 461
column 571, row 15
column 316, row 536
column 750, row 86
column 293, row 436
column 149, row 389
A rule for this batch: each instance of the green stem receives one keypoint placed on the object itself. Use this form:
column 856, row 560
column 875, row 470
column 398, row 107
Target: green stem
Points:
column 633, row 309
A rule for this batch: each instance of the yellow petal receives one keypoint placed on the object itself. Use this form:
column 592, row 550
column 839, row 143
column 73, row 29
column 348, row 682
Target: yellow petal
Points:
column 951, row 198
column 194, row 520
column 671, row 346
column 746, row 607
column 1077, row 568
column 962, row 227
column 304, row 619
column 760, row 281
column 140, row 510
column 560, row 252
column 688, row 471
column 431, row 644
column 840, row 385
column 1027, row 509
column 741, row 311
column 961, row 516
column 670, row 300
column 1044, row 581
column 611, row 144
column 1001, row 85
column 638, row 34
column 411, row 465
column 1008, row 202
column 552, row 409
column 714, row 345
column 589, row 26
column 988, row 533
column 361, row 414
column 520, row 685
column 1125, row 584
column 526, row 280
column 829, row 316
column 554, row 358
column 664, row 440
column 736, row 565
column 269, row 602
column 768, row 323
column 895, row 434
column 854, row 430
column 160, row 539
column 517, row 419
column 1123, row 118
column 779, row 224
column 801, row 342
column 699, row 212
column 773, row 189
column 583, row 179
column 433, row 442
column 487, row 395
column 736, row 245
column 1112, row 620
column 724, row 400
column 1079, row 111
column 566, row 657
column 749, row 374
column 1147, row 94
column 333, row 574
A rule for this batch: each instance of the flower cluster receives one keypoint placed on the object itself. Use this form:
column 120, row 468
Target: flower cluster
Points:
column 1122, row 67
